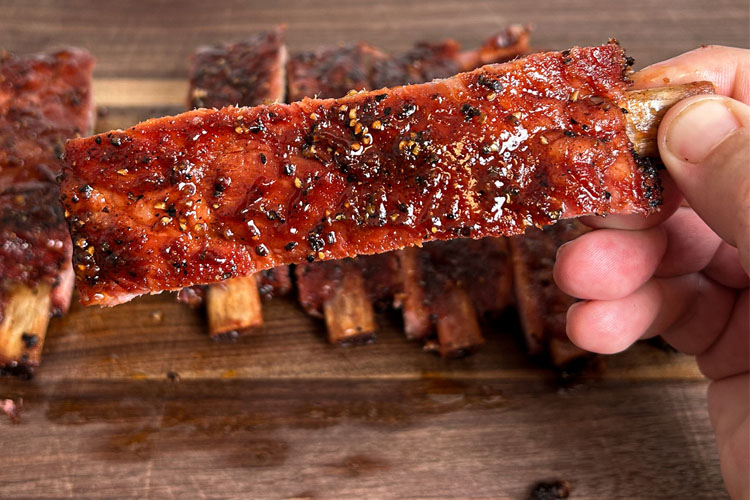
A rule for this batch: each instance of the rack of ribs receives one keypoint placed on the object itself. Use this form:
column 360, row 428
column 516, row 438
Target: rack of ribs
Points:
column 214, row 194
column 380, row 278
column 44, row 100
column 246, row 73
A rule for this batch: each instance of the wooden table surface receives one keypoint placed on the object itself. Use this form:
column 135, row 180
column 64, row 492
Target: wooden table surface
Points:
column 279, row 413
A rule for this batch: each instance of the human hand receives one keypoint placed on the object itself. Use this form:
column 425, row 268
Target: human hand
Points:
column 683, row 273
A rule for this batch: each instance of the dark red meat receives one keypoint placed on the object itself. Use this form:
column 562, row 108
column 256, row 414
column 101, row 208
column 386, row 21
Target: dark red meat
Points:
column 428, row 61
column 317, row 282
column 35, row 240
column 193, row 296
column 332, row 72
column 480, row 269
column 246, row 73
column 274, row 282
column 44, row 100
column 479, row 266
column 212, row 194
column 542, row 307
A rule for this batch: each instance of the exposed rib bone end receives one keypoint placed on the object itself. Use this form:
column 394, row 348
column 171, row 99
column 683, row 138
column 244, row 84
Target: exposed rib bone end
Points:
column 23, row 329
column 647, row 107
column 232, row 306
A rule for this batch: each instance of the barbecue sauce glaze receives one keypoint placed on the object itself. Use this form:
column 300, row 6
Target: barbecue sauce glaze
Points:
column 212, row 194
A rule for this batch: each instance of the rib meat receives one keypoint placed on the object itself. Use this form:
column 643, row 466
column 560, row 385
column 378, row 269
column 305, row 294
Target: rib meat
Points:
column 542, row 307
column 245, row 73
column 428, row 61
column 35, row 241
column 212, row 194
column 478, row 268
column 332, row 72
column 44, row 100
column 317, row 282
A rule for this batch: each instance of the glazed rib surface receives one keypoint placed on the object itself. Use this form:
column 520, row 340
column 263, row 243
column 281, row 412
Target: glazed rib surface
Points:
column 212, row 194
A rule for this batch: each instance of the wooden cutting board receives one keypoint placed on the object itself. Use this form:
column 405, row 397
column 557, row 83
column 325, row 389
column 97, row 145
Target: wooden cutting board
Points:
column 136, row 402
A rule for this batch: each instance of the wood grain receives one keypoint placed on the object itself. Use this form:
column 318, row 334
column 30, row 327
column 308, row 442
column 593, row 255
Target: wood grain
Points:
column 136, row 402
column 430, row 437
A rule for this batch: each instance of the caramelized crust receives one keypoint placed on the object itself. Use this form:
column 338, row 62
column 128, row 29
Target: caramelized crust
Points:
column 542, row 307
column 212, row 194
column 428, row 61
column 44, row 100
column 332, row 72
column 246, row 73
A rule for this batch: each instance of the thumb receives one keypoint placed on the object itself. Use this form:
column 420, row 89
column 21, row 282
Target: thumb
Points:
column 704, row 141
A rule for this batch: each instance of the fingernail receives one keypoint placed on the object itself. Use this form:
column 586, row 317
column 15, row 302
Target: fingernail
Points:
column 562, row 248
column 699, row 128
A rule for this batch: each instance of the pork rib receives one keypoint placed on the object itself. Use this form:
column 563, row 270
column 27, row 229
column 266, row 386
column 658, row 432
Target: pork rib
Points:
column 213, row 194
column 542, row 307
column 245, row 73
column 380, row 280
column 44, row 100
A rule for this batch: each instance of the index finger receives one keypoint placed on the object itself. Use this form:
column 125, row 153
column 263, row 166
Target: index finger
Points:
column 727, row 67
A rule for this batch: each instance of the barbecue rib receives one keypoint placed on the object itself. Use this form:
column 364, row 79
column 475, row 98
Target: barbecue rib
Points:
column 364, row 281
column 246, row 73
column 213, row 194
column 542, row 307
column 337, row 289
column 480, row 268
column 330, row 73
column 44, row 100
